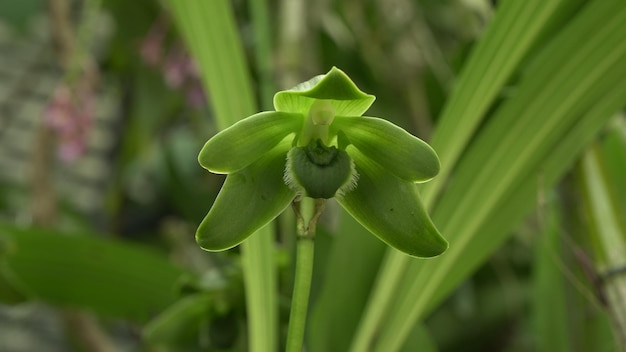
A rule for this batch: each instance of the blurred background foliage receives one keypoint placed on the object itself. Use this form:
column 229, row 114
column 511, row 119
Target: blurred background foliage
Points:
column 104, row 105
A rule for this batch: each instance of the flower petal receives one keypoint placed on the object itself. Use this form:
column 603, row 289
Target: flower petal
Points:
column 335, row 86
column 247, row 140
column 398, row 151
column 248, row 200
column 390, row 208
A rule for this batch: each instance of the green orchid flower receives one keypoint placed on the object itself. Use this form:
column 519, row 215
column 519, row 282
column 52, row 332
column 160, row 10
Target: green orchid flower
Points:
column 316, row 144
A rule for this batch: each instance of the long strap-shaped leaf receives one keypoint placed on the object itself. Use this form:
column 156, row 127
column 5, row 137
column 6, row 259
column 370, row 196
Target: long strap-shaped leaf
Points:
column 209, row 30
column 515, row 29
column 567, row 84
column 570, row 81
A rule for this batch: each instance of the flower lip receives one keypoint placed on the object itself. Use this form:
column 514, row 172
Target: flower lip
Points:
column 319, row 154
column 318, row 171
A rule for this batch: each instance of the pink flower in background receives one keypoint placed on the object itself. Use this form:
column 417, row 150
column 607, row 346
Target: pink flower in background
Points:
column 151, row 49
column 176, row 67
column 179, row 70
column 195, row 94
column 70, row 115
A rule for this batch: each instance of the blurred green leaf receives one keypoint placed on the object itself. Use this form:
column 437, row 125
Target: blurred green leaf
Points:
column 211, row 35
column 607, row 230
column 420, row 340
column 342, row 299
column 107, row 276
column 613, row 150
column 9, row 294
column 514, row 29
column 19, row 13
column 577, row 72
column 181, row 321
column 549, row 304
column 185, row 182
column 480, row 317
column 209, row 30
column 494, row 59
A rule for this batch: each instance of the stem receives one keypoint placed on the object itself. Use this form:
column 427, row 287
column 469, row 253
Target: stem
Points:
column 607, row 235
column 301, row 290
column 304, row 271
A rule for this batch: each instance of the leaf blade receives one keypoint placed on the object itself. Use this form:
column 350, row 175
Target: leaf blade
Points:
column 88, row 271
column 590, row 70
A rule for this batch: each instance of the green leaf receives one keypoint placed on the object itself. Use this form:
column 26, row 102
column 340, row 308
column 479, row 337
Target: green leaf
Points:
column 420, row 339
column 550, row 303
column 391, row 209
column 336, row 86
column 607, row 223
column 9, row 294
column 514, row 206
column 338, row 297
column 247, row 140
column 182, row 319
column 515, row 28
column 398, row 151
column 19, row 14
column 572, row 76
column 248, row 200
column 104, row 275
column 210, row 32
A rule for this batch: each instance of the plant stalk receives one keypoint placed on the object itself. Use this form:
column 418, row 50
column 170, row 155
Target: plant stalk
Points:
column 607, row 235
column 304, row 270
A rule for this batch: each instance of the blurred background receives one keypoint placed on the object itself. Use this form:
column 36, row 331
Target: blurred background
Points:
column 103, row 111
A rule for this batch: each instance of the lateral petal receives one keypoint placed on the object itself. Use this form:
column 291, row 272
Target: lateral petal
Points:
column 398, row 151
column 247, row 140
column 391, row 209
column 248, row 200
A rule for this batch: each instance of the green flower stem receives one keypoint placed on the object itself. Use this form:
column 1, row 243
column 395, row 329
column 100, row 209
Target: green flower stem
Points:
column 300, row 299
column 304, row 269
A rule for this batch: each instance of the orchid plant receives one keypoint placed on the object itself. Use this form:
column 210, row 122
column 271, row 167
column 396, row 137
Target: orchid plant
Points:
column 317, row 146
